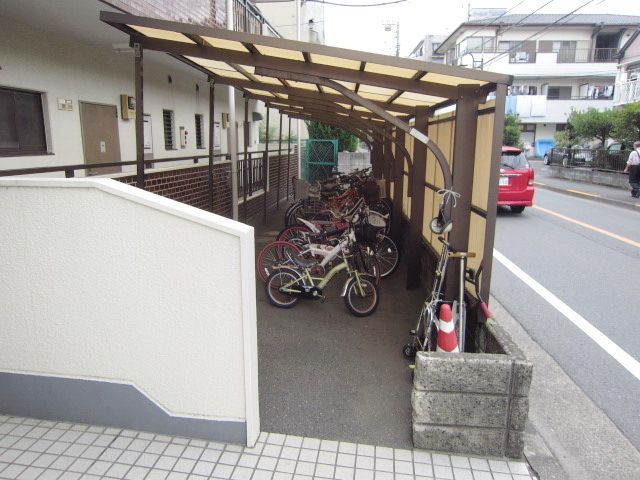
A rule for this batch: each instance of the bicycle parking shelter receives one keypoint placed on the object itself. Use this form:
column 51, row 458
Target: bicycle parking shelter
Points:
column 391, row 103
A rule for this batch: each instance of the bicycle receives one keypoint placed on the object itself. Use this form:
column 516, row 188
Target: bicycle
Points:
column 321, row 245
column 426, row 331
column 286, row 286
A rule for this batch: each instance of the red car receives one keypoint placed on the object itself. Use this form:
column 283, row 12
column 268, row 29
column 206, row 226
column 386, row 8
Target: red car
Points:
column 516, row 180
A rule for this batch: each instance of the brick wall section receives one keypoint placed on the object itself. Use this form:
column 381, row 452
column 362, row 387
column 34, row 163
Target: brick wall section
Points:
column 212, row 13
column 190, row 185
column 283, row 166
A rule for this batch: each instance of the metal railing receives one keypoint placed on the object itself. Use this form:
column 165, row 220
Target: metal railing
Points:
column 587, row 55
column 248, row 18
column 70, row 170
column 614, row 160
column 251, row 173
column 573, row 55
column 626, row 92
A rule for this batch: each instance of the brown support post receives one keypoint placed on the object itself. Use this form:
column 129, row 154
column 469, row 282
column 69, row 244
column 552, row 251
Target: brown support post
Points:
column 388, row 160
column 265, row 172
column 398, row 187
column 246, row 165
column 496, row 153
column 289, row 160
column 414, row 247
column 279, row 163
column 212, row 139
column 464, row 149
column 464, row 152
column 137, row 47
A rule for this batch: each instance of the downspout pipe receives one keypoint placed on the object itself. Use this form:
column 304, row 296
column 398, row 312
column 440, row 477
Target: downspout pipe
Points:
column 232, row 135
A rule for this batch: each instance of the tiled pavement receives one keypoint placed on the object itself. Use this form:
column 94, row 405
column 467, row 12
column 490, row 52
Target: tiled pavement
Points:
column 45, row 450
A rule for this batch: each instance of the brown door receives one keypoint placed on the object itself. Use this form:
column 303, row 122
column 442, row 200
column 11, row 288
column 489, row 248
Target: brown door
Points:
column 100, row 137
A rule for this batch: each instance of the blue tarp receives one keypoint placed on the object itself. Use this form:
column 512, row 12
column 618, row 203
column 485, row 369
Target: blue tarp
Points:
column 542, row 145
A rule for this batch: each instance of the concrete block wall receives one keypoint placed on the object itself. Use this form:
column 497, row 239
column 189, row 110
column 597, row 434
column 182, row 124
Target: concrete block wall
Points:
column 587, row 175
column 349, row 161
column 471, row 403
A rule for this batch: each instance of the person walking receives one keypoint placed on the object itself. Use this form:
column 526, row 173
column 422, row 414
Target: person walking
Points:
column 633, row 167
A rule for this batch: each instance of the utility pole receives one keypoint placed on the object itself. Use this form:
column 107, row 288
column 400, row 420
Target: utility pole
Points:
column 389, row 27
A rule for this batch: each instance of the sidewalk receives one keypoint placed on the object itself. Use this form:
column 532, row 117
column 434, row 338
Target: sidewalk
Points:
column 45, row 450
column 601, row 193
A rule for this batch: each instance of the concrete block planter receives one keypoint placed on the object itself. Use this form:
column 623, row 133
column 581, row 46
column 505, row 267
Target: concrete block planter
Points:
column 473, row 403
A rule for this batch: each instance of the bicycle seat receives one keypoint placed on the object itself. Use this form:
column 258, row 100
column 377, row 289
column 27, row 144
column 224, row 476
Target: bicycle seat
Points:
column 301, row 262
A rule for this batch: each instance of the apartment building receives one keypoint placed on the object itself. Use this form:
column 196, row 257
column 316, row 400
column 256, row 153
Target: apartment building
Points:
column 627, row 88
column 427, row 47
column 558, row 62
column 67, row 87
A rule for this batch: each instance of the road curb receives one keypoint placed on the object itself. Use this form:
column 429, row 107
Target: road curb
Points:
column 617, row 203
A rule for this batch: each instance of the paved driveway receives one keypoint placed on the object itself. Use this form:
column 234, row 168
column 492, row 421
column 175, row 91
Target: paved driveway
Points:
column 324, row 373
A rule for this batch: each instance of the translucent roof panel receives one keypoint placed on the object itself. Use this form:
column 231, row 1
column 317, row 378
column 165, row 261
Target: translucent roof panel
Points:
column 389, row 70
column 335, row 62
column 450, row 80
column 280, row 52
column 162, row 34
column 226, row 44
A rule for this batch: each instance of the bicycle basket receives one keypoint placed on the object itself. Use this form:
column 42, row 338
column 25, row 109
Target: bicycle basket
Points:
column 370, row 190
column 366, row 233
column 377, row 221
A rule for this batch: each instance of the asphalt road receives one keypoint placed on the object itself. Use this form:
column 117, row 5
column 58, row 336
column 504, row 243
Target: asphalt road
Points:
column 586, row 255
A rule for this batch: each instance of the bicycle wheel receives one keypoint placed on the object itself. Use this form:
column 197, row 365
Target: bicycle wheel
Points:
column 361, row 297
column 367, row 263
column 293, row 212
column 388, row 255
column 274, row 254
column 296, row 234
column 279, row 278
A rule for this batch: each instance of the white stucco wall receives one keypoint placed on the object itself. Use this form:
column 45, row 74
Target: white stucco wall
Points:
column 73, row 70
column 106, row 282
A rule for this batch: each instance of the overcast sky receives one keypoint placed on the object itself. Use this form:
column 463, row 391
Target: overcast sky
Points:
column 362, row 28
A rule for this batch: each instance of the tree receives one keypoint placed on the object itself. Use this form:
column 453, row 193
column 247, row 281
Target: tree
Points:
column 626, row 124
column 592, row 124
column 511, row 135
column 262, row 131
column 567, row 138
column 346, row 141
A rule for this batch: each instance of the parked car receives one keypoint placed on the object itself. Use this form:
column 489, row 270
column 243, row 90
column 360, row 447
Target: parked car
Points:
column 576, row 155
column 614, row 157
column 515, row 187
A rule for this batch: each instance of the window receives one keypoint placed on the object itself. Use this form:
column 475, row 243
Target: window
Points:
column 527, row 127
column 169, row 130
column 21, row 123
column 435, row 46
column 559, row 93
column 480, row 44
column 519, row 52
column 199, row 131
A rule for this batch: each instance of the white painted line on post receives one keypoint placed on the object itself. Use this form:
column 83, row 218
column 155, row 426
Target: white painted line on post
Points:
column 626, row 360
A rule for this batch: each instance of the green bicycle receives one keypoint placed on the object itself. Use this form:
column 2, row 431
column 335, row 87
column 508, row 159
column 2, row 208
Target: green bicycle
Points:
column 286, row 286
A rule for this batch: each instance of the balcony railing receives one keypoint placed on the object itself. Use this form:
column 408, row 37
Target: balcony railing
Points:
column 574, row 55
column 627, row 92
column 248, row 18
column 587, row 55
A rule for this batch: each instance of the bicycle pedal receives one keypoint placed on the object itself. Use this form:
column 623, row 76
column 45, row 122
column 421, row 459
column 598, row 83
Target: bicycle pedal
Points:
column 412, row 333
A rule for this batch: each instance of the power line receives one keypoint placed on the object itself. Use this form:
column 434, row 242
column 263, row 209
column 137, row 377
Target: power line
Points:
column 555, row 25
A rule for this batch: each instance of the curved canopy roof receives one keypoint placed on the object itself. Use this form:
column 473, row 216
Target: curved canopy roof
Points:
column 356, row 90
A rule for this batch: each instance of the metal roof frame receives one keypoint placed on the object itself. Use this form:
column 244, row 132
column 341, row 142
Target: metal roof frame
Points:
column 378, row 98
column 259, row 65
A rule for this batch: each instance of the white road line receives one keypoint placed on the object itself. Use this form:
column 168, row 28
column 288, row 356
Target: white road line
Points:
column 626, row 360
